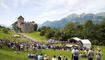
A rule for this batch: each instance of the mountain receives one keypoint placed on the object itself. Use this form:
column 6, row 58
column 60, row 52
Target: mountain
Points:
column 6, row 26
column 96, row 18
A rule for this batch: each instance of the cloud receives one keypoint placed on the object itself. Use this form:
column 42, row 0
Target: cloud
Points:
column 17, row 2
column 24, row 1
column 4, row 5
column 91, row 6
column 57, row 9
column 52, row 9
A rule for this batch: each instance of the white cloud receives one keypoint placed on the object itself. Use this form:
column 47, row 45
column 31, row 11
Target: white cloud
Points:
column 53, row 9
column 57, row 9
column 90, row 6
column 24, row 1
column 17, row 2
column 4, row 5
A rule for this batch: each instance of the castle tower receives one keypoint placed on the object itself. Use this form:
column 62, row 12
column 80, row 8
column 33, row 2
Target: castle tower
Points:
column 20, row 21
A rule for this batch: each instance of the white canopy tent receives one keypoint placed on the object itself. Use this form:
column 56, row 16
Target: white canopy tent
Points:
column 76, row 38
column 69, row 45
column 86, row 43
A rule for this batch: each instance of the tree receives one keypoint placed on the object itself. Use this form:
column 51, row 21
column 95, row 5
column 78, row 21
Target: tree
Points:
column 43, row 30
column 5, row 30
column 50, row 33
column 35, row 27
column 101, row 32
column 89, row 29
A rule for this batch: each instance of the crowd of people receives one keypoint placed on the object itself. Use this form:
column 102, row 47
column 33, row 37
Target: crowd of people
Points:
column 35, row 47
column 46, row 57
column 76, row 54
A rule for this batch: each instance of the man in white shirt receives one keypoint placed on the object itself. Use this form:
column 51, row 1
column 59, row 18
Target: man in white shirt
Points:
column 90, row 54
column 98, row 54
column 72, row 53
column 21, row 46
column 76, row 54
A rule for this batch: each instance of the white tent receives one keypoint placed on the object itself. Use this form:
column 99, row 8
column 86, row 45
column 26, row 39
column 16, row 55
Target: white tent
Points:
column 69, row 45
column 86, row 43
column 76, row 38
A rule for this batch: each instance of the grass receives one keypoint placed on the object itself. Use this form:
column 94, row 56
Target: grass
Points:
column 37, row 36
column 51, row 52
column 8, row 54
column 64, row 44
column 10, row 35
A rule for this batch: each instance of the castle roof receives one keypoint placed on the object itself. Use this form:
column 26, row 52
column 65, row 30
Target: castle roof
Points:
column 20, row 17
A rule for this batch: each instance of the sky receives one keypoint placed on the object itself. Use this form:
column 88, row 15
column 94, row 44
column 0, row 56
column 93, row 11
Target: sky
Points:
column 46, row 10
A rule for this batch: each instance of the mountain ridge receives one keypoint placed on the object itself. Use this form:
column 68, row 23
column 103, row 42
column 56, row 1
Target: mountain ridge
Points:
column 81, row 18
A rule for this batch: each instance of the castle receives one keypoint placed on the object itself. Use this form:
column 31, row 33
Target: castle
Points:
column 25, row 27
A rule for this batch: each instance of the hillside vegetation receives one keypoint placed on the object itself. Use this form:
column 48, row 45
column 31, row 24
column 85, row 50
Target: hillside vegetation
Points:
column 8, row 54
column 37, row 36
column 6, row 33
column 94, row 32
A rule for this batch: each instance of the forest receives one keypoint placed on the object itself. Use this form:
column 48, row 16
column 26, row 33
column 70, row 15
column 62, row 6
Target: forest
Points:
column 94, row 32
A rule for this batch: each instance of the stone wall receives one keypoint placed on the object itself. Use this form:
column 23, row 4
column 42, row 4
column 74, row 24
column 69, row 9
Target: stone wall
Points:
column 26, row 27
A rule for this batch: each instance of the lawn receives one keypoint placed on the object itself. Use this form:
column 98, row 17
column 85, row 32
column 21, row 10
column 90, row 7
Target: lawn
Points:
column 8, row 54
column 64, row 44
column 37, row 36
column 51, row 52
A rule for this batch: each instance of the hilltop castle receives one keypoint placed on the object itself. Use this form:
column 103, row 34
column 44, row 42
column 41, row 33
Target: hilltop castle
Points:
column 25, row 27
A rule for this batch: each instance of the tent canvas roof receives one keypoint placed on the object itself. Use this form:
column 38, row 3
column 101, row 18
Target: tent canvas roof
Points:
column 76, row 38
column 85, row 41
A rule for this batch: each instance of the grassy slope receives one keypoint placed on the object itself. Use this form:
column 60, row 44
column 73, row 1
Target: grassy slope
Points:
column 10, row 35
column 8, row 54
column 68, row 53
column 37, row 36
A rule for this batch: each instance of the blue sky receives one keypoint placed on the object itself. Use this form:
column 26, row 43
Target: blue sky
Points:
column 46, row 10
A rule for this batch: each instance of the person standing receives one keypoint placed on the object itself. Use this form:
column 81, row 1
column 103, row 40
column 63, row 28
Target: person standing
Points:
column 54, row 58
column 36, row 57
column 0, row 43
column 90, row 54
column 76, row 54
column 60, row 57
column 21, row 46
column 66, row 58
column 72, row 53
column 98, row 54
column 40, row 57
column 46, row 57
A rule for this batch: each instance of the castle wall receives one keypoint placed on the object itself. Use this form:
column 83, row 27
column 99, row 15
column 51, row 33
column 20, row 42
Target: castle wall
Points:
column 20, row 21
column 27, row 28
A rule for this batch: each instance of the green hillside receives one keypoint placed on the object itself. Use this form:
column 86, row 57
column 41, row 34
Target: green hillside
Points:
column 10, row 35
column 37, row 36
column 8, row 54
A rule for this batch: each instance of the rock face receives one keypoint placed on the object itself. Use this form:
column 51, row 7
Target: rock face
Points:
column 25, row 27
